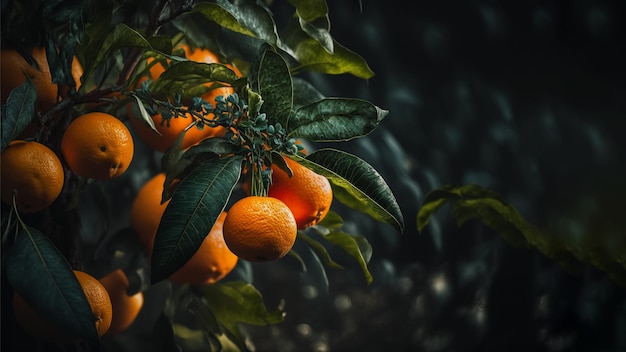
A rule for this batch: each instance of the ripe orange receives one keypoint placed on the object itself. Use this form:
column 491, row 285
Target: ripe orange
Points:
column 41, row 328
column 14, row 67
column 125, row 307
column 169, row 133
column 35, row 171
column 213, row 260
column 260, row 228
column 308, row 194
column 97, row 145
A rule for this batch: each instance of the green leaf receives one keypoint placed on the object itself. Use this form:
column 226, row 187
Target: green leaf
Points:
column 335, row 119
column 195, row 205
column 310, row 10
column 177, row 163
column 275, row 86
column 474, row 202
column 356, row 184
column 312, row 17
column 18, row 112
column 41, row 275
column 319, row 247
column 163, row 336
column 355, row 246
column 189, row 78
column 304, row 93
column 121, row 36
column 235, row 302
column 222, row 17
column 312, row 56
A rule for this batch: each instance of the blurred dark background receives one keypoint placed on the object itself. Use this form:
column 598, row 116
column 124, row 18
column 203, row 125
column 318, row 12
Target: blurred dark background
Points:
column 527, row 98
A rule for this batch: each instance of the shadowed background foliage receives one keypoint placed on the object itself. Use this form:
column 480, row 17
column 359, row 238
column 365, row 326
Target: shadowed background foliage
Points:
column 525, row 98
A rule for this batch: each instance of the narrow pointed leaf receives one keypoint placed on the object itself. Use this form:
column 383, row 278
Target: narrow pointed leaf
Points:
column 335, row 119
column 355, row 246
column 18, row 112
column 319, row 247
column 189, row 216
column 41, row 275
column 356, row 184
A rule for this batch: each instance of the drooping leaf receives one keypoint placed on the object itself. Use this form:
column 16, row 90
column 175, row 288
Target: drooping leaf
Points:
column 275, row 86
column 18, row 112
column 43, row 277
column 189, row 216
column 475, row 202
column 356, row 246
column 238, row 302
column 335, row 119
column 356, row 184
column 319, row 247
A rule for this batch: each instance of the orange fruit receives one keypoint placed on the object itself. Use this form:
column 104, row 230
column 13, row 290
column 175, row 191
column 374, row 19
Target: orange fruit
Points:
column 97, row 145
column 260, row 228
column 125, row 307
column 308, row 194
column 14, row 67
column 41, row 328
column 211, row 262
column 35, row 171
column 169, row 132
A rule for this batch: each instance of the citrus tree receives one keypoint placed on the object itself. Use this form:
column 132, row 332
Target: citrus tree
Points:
column 218, row 91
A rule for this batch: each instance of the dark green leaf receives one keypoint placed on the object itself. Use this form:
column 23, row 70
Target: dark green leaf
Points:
column 275, row 86
column 319, row 247
column 163, row 336
column 176, row 163
column 355, row 246
column 235, row 302
column 335, row 119
column 41, row 275
column 331, row 221
column 189, row 216
column 304, row 93
column 189, row 78
column 356, row 184
column 18, row 112
column 474, row 202
column 120, row 37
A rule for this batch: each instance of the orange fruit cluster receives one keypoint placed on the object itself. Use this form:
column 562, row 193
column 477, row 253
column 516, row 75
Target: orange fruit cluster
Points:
column 170, row 130
column 14, row 69
column 211, row 262
column 41, row 328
